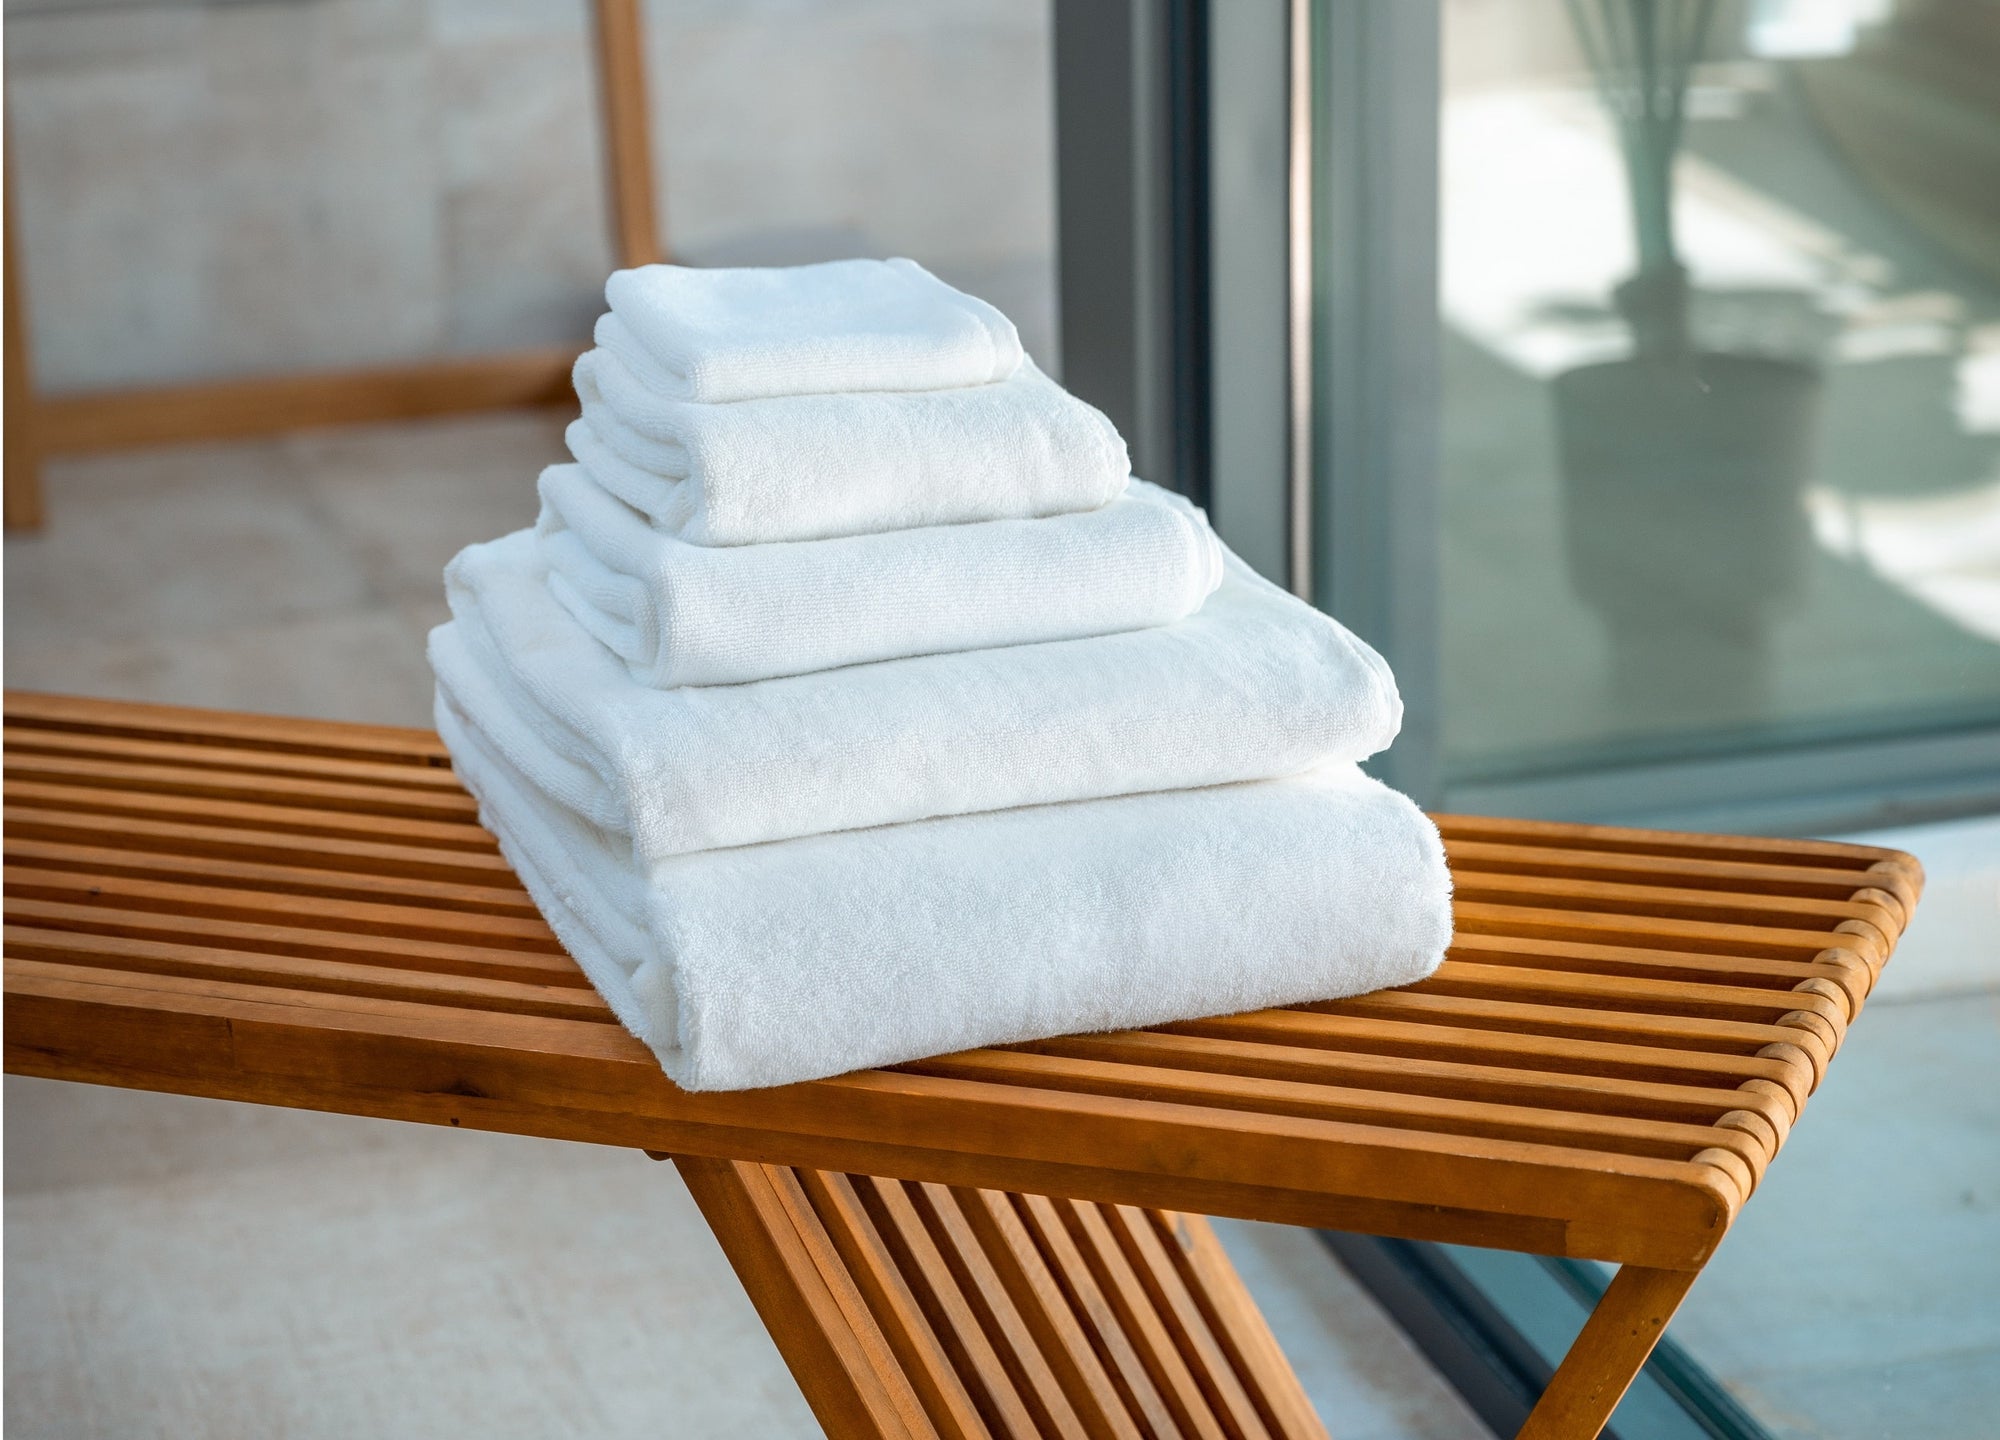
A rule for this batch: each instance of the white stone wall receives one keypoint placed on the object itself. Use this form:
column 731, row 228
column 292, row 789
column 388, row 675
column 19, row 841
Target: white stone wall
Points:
column 223, row 188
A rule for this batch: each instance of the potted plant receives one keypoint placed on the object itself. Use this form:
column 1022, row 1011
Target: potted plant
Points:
column 1682, row 468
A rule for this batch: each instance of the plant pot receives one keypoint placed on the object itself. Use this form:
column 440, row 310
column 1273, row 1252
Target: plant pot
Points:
column 1684, row 523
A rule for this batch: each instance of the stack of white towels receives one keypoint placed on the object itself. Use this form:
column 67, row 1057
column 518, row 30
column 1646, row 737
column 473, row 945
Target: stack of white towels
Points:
column 850, row 702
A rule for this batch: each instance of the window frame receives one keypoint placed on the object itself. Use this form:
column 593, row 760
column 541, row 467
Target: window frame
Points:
column 1367, row 328
column 1300, row 398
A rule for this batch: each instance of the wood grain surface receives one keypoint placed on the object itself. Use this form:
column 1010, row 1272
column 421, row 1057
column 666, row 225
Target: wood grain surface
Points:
column 999, row 1241
column 305, row 913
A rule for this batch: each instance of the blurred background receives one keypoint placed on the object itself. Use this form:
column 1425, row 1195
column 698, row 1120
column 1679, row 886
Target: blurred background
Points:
column 1640, row 401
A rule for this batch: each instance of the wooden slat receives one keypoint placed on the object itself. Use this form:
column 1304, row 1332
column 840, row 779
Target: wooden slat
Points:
column 949, row 1313
column 187, row 725
column 242, row 817
column 1173, row 1377
column 22, row 478
column 919, row 1309
column 1561, row 1092
column 1055, row 1327
column 92, row 420
column 1417, row 1036
column 1236, row 1323
column 628, row 150
column 537, row 1075
column 26, row 943
column 384, row 946
column 1628, row 995
column 987, row 1295
column 1565, row 892
column 1545, row 1017
column 807, row 1301
column 1167, row 1290
column 1687, row 872
column 1616, row 928
column 1851, row 979
column 1616, row 1340
column 179, row 838
column 316, row 913
column 1367, row 1107
column 1625, row 1030
column 1564, row 835
column 1042, row 1220
column 920, row 1353
column 229, row 881
column 208, row 782
column 37, row 740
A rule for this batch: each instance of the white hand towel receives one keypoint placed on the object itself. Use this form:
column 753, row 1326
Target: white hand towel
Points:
column 721, row 335
column 681, row 614
column 788, row 961
column 1253, row 685
column 812, row 467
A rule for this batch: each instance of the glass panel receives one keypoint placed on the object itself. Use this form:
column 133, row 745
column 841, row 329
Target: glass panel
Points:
column 1721, row 304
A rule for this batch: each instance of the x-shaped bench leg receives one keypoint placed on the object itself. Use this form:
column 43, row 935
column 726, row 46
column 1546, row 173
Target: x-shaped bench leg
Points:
column 927, row 1312
column 919, row 1310
column 1607, row 1356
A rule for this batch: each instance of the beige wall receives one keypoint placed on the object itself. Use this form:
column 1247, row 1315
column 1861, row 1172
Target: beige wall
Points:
column 211, row 189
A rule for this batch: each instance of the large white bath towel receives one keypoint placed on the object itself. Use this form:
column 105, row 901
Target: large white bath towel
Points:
column 811, row 467
column 788, row 961
column 681, row 614
column 1254, row 685
column 721, row 335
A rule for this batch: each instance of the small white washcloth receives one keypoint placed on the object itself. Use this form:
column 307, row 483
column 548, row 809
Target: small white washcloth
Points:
column 681, row 614
column 783, row 962
column 812, row 467
column 1253, row 685
column 721, row 335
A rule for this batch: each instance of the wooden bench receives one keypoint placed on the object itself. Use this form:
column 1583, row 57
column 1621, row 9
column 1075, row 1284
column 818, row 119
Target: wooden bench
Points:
column 1627, row 1027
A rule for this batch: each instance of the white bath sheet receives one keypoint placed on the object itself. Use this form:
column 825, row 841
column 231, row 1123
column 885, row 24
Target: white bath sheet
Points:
column 812, row 467
column 1254, row 685
column 723, row 334
column 788, row 961
column 681, row 614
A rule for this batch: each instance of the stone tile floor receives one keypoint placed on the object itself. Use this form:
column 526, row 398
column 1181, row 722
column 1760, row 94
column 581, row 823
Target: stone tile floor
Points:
column 296, row 575
column 190, row 1268
column 1858, row 1295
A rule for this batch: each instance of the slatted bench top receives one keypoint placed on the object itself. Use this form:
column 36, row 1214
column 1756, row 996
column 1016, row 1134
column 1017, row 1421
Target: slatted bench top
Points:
column 308, row 913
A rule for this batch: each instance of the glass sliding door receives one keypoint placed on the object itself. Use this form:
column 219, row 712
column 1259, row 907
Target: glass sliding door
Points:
column 1719, row 479
column 1627, row 371
column 1652, row 363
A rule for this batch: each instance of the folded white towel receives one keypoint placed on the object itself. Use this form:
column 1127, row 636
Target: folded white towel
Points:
column 681, row 614
column 1253, row 685
column 788, row 961
column 721, row 335
column 811, row 467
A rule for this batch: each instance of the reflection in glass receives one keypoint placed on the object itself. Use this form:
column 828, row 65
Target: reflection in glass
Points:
column 1681, row 467
column 1721, row 297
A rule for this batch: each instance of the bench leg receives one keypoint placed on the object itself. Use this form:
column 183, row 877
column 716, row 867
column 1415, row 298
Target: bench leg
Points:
column 807, row 1300
column 23, row 465
column 628, row 140
column 921, row 1310
column 1607, row 1356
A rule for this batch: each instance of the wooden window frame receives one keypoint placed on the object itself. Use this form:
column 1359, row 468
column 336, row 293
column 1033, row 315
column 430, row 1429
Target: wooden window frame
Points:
column 39, row 425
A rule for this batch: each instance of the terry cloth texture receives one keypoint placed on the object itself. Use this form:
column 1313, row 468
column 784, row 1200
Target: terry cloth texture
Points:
column 1255, row 684
column 813, row 467
column 737, row 334
column 787, row 961
column 681, row 614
